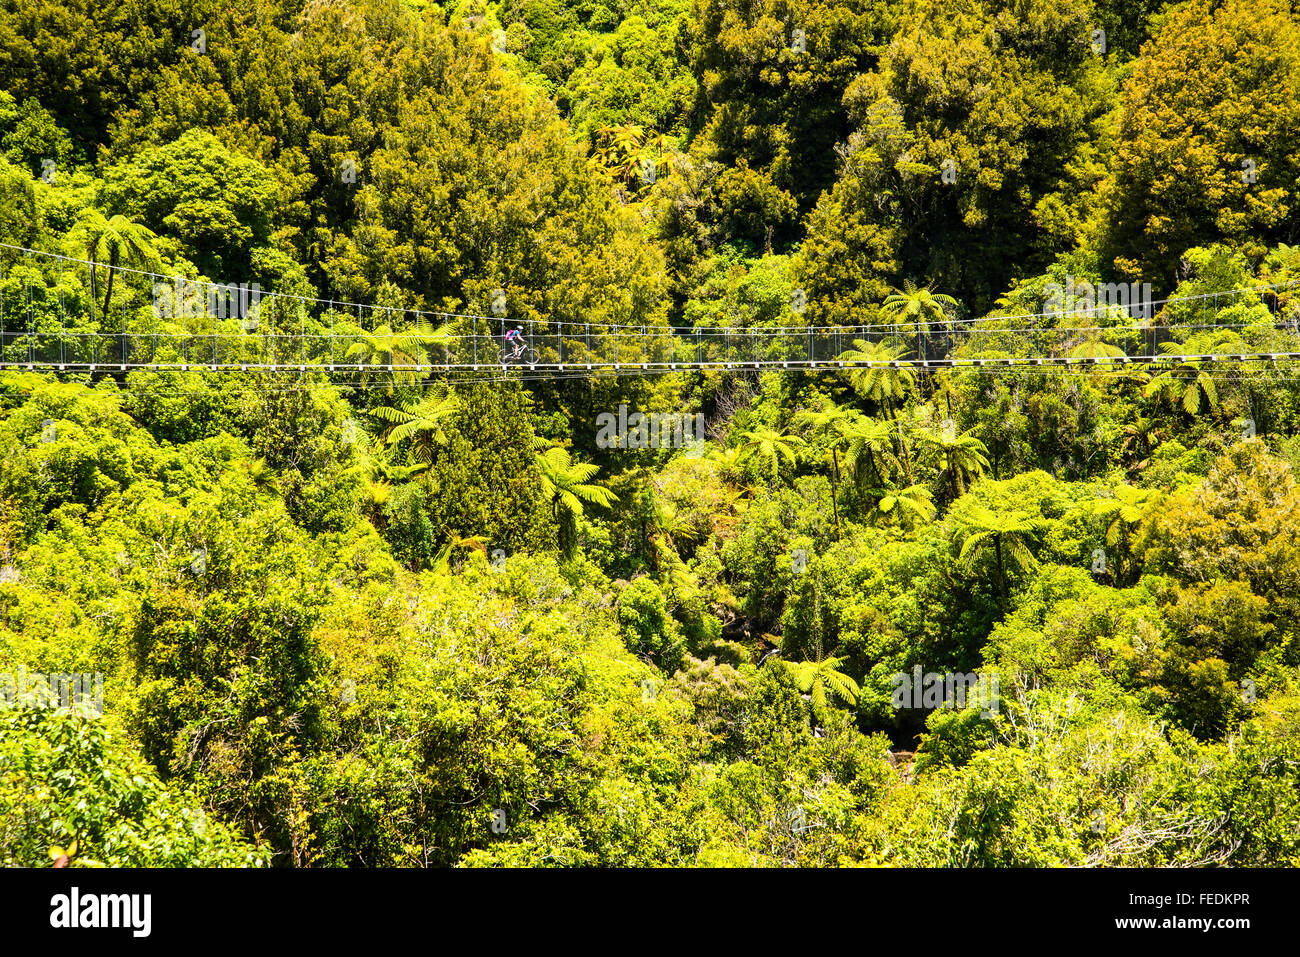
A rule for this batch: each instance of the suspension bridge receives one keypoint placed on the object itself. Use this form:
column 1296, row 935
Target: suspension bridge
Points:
column 52, row 319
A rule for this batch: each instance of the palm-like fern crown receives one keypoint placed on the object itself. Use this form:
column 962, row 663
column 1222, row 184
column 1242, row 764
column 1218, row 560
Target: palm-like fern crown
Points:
column 1185, row 379
column 1095, row 348
column 816, row 676
column 869, row 440
column 906, row 506
column 419, row 421
column 947, row 441
column 980, row 528
column 830, row 421
column 918, row 303
column 116, row 237
column 769, row 448
column 1129, row 507
column 877, row 381
column 408, row 345
column 565, row 481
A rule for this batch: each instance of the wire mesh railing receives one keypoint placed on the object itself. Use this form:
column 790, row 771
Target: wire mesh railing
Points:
column 59, row 312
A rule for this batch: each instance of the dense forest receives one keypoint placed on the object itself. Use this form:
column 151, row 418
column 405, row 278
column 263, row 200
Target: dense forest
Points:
column 385, row 619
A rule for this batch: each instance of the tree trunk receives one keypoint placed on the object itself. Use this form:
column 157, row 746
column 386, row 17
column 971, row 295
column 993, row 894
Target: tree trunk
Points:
column 1002, row 572
column 94, row 288
column 108, row 296
column 871, row 457
column 907, row 455
column 835, row 482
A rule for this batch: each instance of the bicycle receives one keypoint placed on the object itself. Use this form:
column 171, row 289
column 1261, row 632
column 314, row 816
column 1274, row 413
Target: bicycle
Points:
column 507, row 355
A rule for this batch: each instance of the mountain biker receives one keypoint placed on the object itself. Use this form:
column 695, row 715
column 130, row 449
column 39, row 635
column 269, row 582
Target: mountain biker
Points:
column 516, row 337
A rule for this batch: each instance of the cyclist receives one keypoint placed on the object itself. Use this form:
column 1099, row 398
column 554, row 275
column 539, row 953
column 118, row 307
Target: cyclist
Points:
column 515, row 337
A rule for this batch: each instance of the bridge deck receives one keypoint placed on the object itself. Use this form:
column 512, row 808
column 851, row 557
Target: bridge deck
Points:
column 50, row 322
